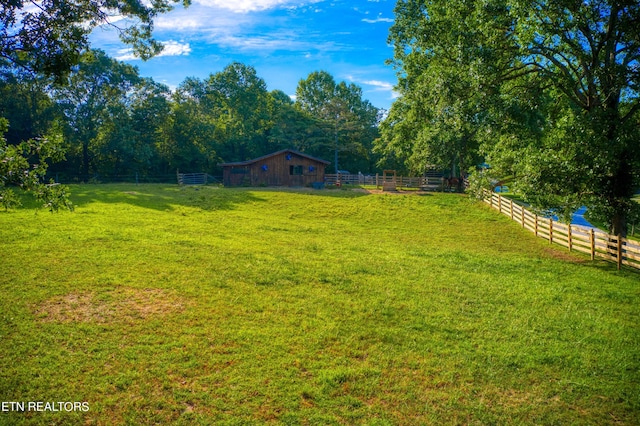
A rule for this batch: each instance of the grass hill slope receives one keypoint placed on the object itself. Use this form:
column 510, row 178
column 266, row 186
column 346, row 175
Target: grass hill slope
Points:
column 156, row 304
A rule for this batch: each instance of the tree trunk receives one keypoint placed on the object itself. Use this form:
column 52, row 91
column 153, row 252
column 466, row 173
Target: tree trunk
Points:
column 620, row 188
column 622, row 192
column 619, row 224
column 85, row 161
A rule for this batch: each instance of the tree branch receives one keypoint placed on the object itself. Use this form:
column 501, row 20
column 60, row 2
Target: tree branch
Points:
column 573, row 92
column 634, row 109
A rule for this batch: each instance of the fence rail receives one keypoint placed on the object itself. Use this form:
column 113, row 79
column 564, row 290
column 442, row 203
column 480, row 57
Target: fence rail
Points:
column 409, row 182
column 594, row 242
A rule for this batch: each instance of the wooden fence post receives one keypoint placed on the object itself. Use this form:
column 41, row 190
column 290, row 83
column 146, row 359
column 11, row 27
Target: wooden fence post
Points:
column 592, row 239
column 619, row 252
column 511, row 207
column 522, row 213
column 569, row 237
column 536, row 225
column 550, row 231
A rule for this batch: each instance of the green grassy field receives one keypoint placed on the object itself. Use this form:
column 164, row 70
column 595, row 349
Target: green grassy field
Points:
column 156, row 304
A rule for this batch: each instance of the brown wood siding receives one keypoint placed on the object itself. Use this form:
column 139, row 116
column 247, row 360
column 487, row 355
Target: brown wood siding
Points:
column 276, row 171
column 236, row 176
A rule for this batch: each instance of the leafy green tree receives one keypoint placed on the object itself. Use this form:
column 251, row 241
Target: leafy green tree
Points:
column 26, row 104
column 290, row 127
column 241, row 103
column 150, row 109
column 92, row 100
column 25, row 164
column 315, row 94
column 190, row 141
column 30, row 138
column 128, row 138
column 434, row 125
column 549, row 93
column 349, row 122
column 49, row 37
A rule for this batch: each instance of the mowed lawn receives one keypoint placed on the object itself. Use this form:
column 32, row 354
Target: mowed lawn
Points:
column 157, row 304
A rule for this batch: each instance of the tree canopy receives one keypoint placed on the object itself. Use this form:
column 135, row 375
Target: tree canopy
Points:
column 545, row 90
column 48, row 37
column 109, row 123
column 347, row 122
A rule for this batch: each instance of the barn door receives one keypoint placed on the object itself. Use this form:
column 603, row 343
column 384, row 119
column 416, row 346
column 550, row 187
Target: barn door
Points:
column 296, row 177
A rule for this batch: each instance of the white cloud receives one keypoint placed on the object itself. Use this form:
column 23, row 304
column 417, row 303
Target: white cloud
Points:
column 198, row 18
column 240, row 31
column 378, row 19
column 171, row 48
column 379, row 85
column 125, row 55
column 282, row 41
column 178, row 23
column 376, row 86
column 382, row 86
column 244, row 6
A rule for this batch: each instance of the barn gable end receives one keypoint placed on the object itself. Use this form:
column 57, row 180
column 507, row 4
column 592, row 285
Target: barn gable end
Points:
column 282, row 168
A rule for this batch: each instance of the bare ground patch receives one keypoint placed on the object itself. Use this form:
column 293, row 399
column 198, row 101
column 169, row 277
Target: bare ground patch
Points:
column 565, row 256
column 124, row 304
column 396, row 192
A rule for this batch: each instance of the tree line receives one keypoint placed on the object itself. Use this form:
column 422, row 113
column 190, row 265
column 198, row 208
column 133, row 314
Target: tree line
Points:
column 110, row 121
column 72, row 112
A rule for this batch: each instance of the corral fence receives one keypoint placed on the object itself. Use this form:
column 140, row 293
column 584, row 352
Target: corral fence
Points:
column 427, row 183
column 195, row 178
column 192, row 178
column 594, row 242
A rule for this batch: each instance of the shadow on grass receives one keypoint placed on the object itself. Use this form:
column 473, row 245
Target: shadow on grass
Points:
column 162, row 197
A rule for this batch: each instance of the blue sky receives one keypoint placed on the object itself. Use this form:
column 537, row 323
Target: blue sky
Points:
column 284, row 40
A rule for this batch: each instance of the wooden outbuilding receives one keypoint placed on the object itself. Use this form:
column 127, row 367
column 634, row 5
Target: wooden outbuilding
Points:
column 282, row 168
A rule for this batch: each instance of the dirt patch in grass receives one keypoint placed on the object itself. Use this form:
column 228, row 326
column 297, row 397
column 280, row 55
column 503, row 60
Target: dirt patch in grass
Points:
column 565, row 256
column 121, row 305
column 396, row 192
